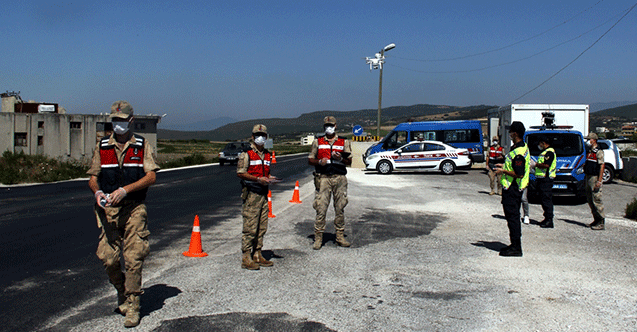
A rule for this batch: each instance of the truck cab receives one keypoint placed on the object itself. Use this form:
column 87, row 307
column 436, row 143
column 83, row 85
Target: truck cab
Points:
column 570, row 150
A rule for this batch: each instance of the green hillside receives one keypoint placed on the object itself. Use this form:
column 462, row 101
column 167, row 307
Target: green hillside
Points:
column 313, row 122
column 629, row 112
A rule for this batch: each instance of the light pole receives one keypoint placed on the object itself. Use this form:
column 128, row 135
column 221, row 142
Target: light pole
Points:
column 377, row 63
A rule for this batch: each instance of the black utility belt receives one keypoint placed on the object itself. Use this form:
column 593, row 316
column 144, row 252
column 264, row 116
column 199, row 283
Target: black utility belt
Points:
column 255, row 187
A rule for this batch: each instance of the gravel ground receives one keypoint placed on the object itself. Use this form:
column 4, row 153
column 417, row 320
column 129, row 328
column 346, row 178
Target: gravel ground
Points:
column 424, row 257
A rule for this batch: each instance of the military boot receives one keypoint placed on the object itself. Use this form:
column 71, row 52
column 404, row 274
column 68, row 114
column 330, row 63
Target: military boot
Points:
column 599, row 226
column 132, row 313
column 318, row 240
column 340, row 239
column 122, row 305
column 248, row 263
column 259, row 259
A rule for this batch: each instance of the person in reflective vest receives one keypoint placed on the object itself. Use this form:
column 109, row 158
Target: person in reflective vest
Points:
column 253, row 168
column 515, row 178
column 330, row 155
column 545, row 172
column 122, row 169
column 496, row 156
column 594, row 170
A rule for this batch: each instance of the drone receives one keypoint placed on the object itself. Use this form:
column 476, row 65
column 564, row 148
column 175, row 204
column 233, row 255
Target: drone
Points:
column 379, row 59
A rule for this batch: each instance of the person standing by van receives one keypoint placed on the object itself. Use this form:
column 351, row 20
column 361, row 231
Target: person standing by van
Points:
column 515, row 177
column 496, row 156
column 545, row 172
column 594, row 170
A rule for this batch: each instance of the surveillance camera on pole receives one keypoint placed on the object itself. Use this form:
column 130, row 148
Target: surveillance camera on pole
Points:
column 377, row 63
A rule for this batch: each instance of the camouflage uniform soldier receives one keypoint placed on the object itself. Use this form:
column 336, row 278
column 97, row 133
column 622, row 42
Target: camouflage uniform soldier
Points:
column 122, row 169
column 330, row 155
column 253, row 168
column 594, row 170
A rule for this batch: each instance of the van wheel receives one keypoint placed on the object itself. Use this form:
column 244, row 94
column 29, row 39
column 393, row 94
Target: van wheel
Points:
column 447, row 167
column 384, row 167
column 609, row 174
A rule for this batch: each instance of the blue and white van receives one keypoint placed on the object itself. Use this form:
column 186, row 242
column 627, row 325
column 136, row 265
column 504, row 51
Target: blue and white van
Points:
column 464, row 134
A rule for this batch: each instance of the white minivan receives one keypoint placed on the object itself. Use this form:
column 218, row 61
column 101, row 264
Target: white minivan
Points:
column 613, row 164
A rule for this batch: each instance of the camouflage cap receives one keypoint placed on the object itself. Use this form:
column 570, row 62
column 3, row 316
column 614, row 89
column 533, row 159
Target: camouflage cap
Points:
column 591, row 136
column 329, row 120
column 259, row 129
column 121, row 109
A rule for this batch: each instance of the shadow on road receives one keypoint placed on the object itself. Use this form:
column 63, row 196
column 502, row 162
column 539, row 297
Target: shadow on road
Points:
column 155, row 296
column 495, row 246
column 578, row 223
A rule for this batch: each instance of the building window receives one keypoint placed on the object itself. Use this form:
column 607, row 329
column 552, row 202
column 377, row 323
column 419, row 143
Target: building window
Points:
column 40, row 124
column 20, row 139
column 104, row 126
column 40, row 140
column 76, row 125
column 140, row 126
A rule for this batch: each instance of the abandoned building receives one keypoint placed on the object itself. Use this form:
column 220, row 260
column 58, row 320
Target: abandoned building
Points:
column 46, row 129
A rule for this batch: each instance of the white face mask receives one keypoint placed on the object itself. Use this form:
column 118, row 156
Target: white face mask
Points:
column 588, row 144
column 495, row 142
column 329, row 130
column 120, row 127
column 539, row 147
column 259, row 140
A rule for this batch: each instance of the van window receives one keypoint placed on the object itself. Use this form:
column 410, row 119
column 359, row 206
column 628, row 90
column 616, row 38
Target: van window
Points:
column 602, row 145
column 395, row 140
column 423, row 136
column 461, row 135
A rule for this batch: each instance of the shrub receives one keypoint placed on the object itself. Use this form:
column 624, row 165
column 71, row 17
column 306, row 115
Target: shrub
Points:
column 19, row 167
column 631, row 210
column 193, row 159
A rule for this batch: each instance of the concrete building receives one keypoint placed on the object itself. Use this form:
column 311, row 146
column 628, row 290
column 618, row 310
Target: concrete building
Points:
column 38, row 128
column 628, row 130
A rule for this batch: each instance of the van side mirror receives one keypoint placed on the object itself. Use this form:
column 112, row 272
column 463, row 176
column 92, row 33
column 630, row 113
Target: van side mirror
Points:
column 399, row 151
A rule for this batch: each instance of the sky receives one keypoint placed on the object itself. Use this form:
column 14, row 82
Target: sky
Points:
column 200, row 60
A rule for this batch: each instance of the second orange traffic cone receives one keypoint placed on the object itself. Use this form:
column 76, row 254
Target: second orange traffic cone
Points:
column 270, row 214
column 273, row 161
column 295, row 196
column 195, row 242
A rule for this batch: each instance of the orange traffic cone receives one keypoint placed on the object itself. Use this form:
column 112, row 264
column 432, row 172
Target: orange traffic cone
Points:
column 273, row 161
column 295, row 196
column 270, row 214
column 195, row 242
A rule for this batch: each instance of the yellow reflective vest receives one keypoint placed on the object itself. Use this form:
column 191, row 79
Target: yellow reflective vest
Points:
column 507, row 180
column 541, row 172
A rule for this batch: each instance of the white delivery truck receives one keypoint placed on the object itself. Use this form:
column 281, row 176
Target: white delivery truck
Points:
column 563, row 125
column 575, row 115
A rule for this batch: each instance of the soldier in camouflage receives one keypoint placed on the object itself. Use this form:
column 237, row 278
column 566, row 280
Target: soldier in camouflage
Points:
column 330, row 155
column 253, row 168
column 122, row 169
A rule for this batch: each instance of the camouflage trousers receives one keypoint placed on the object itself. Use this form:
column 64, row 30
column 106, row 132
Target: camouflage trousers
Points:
column 494, row 180
column 594, row 198
column 255, row 221
column 124, row 230
column 328, row 186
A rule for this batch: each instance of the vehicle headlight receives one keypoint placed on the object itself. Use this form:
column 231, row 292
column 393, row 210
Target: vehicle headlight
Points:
column 374, row 156
column 580, row 170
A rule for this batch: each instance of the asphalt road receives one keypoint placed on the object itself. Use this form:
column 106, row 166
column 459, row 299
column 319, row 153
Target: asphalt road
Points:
column 423, row 258
column 48, row 234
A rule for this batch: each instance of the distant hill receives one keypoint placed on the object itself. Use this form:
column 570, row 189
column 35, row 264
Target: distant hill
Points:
column 202, row 125
column 629, row 112
column 595, row 107
column 313, row 122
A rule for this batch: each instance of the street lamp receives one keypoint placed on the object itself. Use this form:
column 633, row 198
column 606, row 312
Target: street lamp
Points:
column 377, row 63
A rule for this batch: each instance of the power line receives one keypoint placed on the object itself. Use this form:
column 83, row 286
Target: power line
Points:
column 588, row 48
column 504, row 47
column 509, row 62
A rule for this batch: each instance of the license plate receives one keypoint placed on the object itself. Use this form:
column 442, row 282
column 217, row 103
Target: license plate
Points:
column 560, row 186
